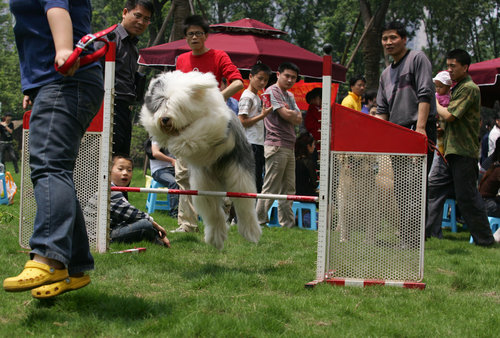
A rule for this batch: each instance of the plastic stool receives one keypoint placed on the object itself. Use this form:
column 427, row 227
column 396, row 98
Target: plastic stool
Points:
column 494, row 225
column 153, row 203
column 273, row 215
column 452, row 220
column 297, row 208
column 4, row 197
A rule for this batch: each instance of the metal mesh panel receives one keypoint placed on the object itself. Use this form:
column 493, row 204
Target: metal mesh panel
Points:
column 86, row 177
column 377, row 216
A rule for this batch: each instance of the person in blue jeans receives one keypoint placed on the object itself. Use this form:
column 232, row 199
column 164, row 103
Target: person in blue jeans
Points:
column 63, row 107
column 163, row 171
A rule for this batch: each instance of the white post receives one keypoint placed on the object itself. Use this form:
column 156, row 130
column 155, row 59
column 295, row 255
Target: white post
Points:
column 106, row 139
column 324, row 177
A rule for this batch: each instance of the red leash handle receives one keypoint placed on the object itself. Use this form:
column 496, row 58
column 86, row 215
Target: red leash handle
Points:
column 82, row 45
column 432, row 146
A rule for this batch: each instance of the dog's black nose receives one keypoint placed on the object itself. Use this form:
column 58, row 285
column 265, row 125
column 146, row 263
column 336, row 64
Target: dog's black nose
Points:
column 165, row 120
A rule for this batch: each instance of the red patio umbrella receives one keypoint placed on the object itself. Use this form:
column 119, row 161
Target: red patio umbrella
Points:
column 246, row 42
column 486, row 75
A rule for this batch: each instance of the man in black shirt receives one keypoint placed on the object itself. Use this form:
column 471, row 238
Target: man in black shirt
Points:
column 6, row 129
column 136, row 17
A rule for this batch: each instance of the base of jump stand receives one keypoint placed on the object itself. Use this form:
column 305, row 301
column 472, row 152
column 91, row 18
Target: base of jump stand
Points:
column 366, row 282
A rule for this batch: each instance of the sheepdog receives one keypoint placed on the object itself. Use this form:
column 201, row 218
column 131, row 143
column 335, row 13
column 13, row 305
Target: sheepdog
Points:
column 187, row 113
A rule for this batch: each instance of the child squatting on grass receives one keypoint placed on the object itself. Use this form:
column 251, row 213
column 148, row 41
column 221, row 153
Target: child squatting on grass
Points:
column 128, row 224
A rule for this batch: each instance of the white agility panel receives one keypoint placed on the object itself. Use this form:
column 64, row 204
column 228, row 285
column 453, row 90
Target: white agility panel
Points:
column 373, row 226
column 376, row 222
column 91, row 174
column 86, row 184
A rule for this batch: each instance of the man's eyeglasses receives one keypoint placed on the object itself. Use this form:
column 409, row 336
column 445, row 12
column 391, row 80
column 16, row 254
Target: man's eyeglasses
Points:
column 139, row 16
column 198, row 34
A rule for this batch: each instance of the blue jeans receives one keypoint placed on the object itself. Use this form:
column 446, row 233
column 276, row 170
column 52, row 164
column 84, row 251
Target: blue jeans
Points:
column 135, row 232
column 166, row 177
column 61, row 113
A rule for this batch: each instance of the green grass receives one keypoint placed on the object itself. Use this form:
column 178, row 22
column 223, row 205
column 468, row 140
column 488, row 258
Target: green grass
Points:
column 251, row 291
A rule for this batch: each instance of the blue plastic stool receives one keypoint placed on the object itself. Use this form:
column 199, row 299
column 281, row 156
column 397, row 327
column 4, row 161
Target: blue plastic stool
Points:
column 449, row 222
column 4, row 197
column 494, row 225
column 153, row 203
column 273, row 215
column 297, row 208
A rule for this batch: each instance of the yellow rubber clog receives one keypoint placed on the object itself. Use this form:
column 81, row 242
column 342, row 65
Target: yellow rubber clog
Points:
column 35, row 274
column 54, row 289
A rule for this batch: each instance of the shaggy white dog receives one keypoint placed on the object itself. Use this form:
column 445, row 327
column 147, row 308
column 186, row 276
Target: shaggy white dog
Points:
column 186, row 113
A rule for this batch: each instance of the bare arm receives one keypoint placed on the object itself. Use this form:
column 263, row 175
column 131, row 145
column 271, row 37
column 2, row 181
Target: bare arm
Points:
column 292, row 116
column 384, row 117
column 232, row 89
column 423, row 115
column 157, row 154
column 26, row 101
column 250, row 121
column 62, row 33
column 444, row 113
column 162, row 233
column 4, row 124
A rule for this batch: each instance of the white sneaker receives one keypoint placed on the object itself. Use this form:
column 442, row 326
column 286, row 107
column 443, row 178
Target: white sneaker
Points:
column 182, row 229
column 496, row 236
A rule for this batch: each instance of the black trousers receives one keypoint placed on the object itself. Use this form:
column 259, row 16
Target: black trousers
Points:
column 457, row 179
column 260, row 162
column 122, row 128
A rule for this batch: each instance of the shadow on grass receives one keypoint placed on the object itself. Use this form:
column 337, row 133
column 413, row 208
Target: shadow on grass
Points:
column 187, row 238
column 217, row 270
column 101, row 305
column 458, row 251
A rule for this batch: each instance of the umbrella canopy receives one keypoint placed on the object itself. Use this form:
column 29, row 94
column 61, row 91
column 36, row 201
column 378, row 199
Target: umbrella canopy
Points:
column 246, row 46
column 247, row 25
column 486, row 75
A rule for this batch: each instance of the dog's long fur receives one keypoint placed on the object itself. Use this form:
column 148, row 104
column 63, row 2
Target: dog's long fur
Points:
column 187, row 113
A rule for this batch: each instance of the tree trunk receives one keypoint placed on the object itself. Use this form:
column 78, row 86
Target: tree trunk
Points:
column 372, row 47
column 182, row 9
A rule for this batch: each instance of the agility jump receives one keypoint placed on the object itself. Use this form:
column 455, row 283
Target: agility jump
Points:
column 298, row 198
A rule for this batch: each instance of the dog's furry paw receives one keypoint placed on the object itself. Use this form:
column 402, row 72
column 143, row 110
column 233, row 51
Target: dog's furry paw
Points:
column 216, row 236
column 251, row 232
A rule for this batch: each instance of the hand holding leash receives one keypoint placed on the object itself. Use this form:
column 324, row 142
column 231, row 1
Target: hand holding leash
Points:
column 81, row 46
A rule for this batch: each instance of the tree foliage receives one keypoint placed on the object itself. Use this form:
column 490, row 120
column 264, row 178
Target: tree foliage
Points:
column 449, row 24
column 10, row 80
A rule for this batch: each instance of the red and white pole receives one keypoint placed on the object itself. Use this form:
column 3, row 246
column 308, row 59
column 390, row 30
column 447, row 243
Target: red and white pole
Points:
column 298, row 198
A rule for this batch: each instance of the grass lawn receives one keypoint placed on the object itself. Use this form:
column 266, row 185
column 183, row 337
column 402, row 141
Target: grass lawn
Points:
column 251, row 290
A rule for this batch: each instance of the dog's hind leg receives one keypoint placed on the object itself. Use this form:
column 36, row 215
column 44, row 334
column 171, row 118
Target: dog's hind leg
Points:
column 210, row 208
column 248, row 226
column 214, row 219
column 241, row 180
